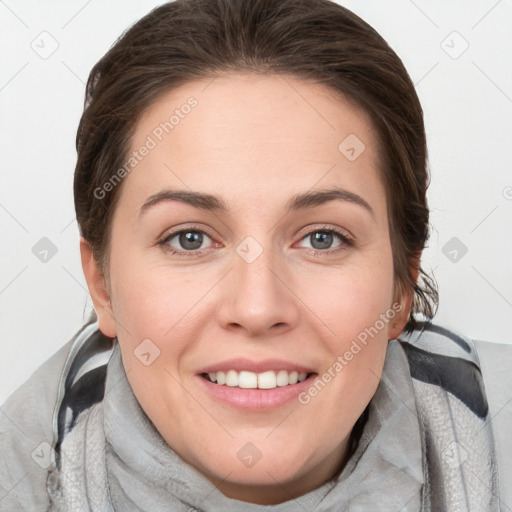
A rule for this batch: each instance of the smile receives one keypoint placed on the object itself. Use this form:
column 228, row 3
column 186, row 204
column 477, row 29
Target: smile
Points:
column 255, row 385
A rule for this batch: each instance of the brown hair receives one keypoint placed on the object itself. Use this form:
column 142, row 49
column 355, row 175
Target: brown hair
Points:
column 314, row 40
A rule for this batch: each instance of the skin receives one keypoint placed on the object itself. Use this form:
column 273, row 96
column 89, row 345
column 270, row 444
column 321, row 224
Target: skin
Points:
column 254, row 140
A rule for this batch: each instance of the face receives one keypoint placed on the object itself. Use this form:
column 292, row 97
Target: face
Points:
column 266, row 309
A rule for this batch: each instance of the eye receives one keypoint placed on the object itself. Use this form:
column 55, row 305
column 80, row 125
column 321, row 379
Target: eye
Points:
column 185, row 242
column 321, row 240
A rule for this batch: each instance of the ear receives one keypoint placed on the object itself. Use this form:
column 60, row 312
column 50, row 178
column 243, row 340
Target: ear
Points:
column 97, row 289
column 397, row 325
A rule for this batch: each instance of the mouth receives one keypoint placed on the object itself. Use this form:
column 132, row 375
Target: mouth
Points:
column 250, row 386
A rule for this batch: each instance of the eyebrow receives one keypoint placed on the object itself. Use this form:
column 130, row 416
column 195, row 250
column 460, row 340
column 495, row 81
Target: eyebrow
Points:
column 297, row 202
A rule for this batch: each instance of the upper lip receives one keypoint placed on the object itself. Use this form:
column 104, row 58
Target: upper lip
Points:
column 242, row 364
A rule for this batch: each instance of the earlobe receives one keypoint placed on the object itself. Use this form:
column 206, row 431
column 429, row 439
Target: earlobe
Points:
column 405, row 301
column 97, row 289
column 402, row 308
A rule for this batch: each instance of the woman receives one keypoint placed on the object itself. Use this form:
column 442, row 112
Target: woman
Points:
column 251, row 195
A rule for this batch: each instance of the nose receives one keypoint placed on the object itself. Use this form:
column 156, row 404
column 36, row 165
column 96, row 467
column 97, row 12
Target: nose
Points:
column 258, row 298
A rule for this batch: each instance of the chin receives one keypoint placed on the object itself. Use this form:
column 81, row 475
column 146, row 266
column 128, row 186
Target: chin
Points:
column 253, row 467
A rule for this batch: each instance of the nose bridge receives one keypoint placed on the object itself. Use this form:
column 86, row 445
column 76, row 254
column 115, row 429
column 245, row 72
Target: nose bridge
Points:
column 256, row 278
column 259, row 298
column 254, row 270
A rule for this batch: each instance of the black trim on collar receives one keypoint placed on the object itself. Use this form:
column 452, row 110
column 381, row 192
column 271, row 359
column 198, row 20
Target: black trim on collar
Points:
column 89, row 388
column 459, row 377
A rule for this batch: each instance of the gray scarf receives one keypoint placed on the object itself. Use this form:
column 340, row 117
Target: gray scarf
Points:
column 427, row 444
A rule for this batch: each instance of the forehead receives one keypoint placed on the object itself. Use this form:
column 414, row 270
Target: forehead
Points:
column 253, row 137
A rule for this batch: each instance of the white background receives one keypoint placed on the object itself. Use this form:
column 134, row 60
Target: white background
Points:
column 467, row 103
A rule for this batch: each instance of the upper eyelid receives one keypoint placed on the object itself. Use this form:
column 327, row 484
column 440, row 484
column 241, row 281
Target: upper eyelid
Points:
column 339, row 231
column 168, row 236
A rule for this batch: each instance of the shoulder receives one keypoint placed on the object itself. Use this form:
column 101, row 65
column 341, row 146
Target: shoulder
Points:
column 496, row 367
column 479, row 373
column 29, row 420
column 26, row 435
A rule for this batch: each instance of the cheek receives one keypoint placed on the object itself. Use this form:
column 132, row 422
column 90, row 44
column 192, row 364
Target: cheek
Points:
column 353, row 300
column 157, row 301
column 141, row 296
column 357, row 311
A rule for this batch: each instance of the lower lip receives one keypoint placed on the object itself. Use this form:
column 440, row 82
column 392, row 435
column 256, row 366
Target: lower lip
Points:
column 256, row 399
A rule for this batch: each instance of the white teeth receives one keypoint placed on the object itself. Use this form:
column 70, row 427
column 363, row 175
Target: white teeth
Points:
column 232, row 378
column 282, row 378
column 247, row 380
column 251, row 380
column 267, row 380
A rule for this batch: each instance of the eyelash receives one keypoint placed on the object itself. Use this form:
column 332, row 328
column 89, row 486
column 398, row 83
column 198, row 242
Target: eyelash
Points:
column 346, row 240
